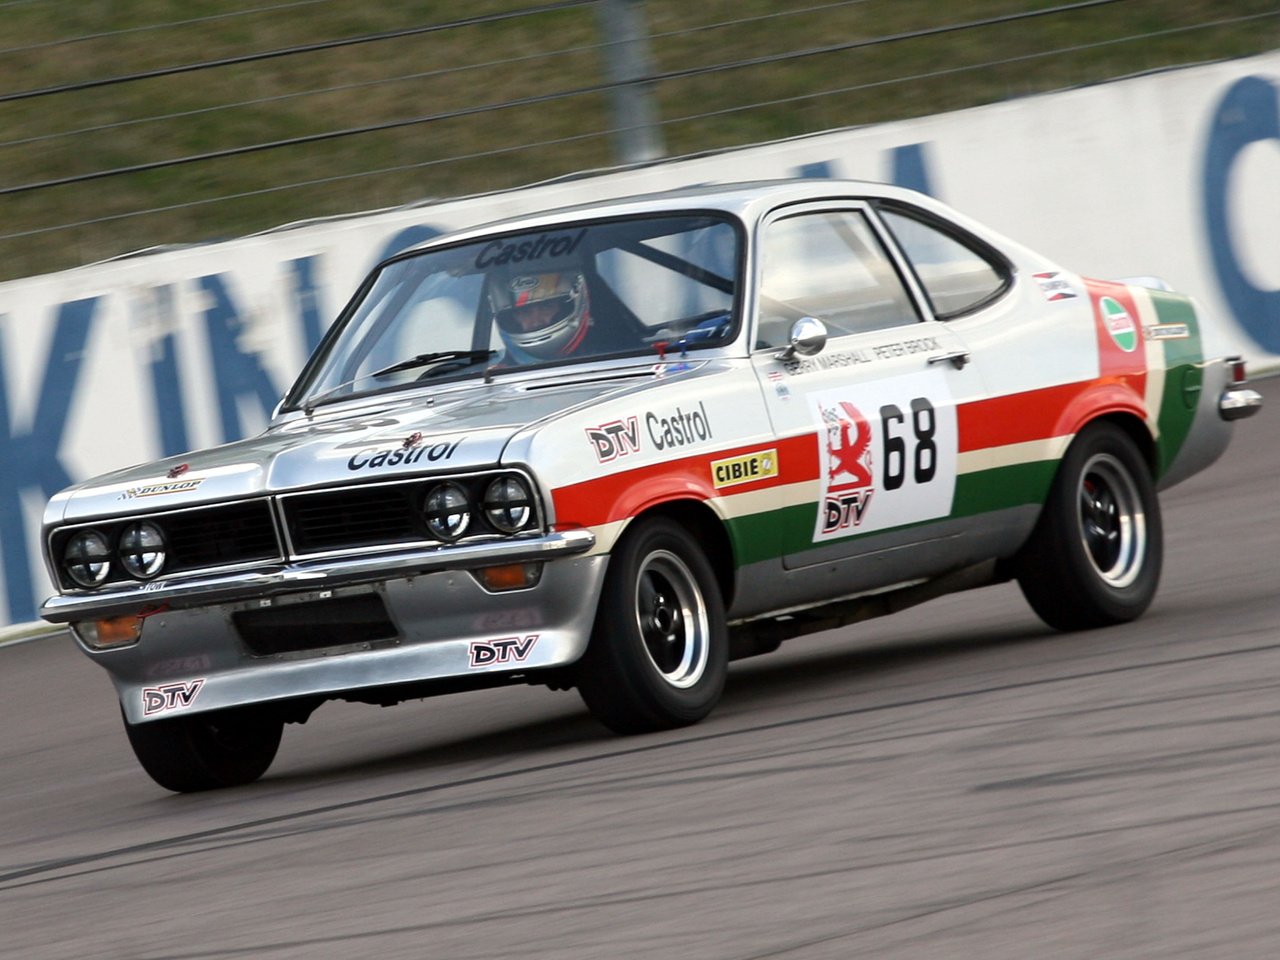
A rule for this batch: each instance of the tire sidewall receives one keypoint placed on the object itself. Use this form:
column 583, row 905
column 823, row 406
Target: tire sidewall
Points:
column 1081, row 581
column 619, row 680
column 189, row 754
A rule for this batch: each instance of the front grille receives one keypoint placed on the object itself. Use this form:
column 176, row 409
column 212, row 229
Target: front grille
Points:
column 314, row 625
column 221, row 536
column 198, row 538
column 354, row 517
column 376, row 515
column 244, row 532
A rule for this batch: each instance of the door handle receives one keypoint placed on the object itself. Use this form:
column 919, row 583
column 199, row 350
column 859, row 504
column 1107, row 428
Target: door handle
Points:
column 958, row 359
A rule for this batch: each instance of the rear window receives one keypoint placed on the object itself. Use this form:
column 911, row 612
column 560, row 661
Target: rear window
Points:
column 958, row 274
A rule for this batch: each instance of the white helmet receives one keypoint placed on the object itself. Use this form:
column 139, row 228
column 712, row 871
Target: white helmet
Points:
column 544, row 315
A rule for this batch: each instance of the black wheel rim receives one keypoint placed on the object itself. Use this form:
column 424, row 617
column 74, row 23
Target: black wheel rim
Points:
column 1112, row 522
column 671, row 615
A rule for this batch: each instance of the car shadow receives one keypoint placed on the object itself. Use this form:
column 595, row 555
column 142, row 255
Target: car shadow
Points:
column 753, row 684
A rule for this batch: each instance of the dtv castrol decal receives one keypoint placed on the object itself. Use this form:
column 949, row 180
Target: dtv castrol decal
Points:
column 886, row 453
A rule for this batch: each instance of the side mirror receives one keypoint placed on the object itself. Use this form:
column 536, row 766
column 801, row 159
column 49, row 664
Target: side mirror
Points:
column 808, row 337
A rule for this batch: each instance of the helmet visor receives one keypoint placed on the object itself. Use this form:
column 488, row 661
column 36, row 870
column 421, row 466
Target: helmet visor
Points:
column 535, row 316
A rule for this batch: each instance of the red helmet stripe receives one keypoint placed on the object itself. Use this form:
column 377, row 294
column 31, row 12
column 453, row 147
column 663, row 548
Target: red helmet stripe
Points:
column 572, row 345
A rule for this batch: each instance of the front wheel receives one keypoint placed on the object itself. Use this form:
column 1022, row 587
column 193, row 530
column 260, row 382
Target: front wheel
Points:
column 205, row 751
column 658, row 655
column 1094, row 558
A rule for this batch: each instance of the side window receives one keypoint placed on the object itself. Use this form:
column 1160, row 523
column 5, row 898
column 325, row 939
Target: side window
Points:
column 957, row 277
column 831, row 266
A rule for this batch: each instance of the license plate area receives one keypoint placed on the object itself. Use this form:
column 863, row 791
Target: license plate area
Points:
column 323, row 621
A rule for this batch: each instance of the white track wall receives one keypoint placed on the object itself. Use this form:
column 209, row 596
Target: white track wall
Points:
column 1175, row 175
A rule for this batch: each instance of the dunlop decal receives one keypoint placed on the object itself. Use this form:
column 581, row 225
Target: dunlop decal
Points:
column 160, row 489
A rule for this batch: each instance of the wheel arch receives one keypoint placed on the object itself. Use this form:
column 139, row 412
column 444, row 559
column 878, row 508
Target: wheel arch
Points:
column 1128, row 422
column 708, row 529
column 1137, row 430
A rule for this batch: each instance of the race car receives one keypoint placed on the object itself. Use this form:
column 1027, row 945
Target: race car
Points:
column 614, row 447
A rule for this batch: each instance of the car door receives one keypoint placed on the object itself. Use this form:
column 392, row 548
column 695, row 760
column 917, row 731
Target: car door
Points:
column 871, row 418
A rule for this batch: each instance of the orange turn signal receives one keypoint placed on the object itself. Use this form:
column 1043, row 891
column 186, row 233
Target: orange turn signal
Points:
column 509, row 576
column 112, row 632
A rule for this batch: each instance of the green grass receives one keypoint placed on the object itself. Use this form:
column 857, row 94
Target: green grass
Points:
column 461, row 69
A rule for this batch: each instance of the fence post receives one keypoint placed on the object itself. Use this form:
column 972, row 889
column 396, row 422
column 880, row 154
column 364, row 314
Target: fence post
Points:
column 636, row 135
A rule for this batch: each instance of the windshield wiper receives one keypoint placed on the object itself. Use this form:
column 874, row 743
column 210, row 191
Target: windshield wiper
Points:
column 467, row 357
column 461, row 358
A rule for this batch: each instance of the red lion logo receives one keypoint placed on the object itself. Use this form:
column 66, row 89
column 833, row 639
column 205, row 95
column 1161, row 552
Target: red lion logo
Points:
column 848, row 453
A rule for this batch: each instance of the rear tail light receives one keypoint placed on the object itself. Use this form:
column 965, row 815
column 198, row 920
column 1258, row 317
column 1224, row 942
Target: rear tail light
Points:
column 1236, row 366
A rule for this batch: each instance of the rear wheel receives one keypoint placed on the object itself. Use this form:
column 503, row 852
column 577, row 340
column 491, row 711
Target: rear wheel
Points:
column 659, row 649
column 1096, row 553
column 205, row 751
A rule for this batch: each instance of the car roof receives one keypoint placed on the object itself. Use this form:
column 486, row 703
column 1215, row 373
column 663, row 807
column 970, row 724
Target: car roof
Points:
column 745, row 200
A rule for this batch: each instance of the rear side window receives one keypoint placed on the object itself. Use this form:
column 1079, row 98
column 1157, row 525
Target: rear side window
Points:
column 958, row 276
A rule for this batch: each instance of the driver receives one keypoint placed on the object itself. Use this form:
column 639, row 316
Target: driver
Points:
column 541, row 316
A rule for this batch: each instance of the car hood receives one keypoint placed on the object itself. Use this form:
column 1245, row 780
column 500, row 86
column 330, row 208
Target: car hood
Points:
column 383, row 438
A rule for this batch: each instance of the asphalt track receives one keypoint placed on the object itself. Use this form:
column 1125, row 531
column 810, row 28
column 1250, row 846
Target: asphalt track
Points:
column 953, row 782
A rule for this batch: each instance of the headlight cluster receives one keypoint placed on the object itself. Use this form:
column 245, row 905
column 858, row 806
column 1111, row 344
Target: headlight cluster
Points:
column 140, row 550
column 450, row 510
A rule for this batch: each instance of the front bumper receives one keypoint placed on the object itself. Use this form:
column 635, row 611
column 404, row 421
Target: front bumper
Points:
column 445, row 627
column 202, row 589
column 203, row 644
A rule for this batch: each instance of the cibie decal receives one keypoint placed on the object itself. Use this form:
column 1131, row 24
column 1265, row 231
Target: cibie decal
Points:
column 170, row 696
column 160, row 489
column 887, row 454
column 747, row 468
column 491, row 653
column 1054, row 287
column 1119, row 324
column 847, row 478
column 617, row 438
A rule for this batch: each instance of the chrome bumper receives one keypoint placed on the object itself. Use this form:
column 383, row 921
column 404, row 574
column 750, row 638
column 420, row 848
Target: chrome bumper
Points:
column 1237, row 403
column 194, row 591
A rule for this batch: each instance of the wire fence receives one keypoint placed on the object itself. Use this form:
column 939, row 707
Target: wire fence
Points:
column 118, row 134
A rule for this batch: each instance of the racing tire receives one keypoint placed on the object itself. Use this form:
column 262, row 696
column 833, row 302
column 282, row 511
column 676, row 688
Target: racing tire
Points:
column 1095, row 555
column 207, row 751
column 658, row 655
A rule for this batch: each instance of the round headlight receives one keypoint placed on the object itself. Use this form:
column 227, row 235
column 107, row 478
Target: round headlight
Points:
column 142, row 550
column 447, row 511
column 507, row 504
column 87, row 558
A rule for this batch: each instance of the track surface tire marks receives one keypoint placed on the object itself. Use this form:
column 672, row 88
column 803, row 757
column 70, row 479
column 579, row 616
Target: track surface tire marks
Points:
column 956, row 781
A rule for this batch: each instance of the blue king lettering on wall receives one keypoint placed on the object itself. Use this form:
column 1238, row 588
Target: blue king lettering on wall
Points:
column 237, row 373
column 1247, row 114
column 30, row 457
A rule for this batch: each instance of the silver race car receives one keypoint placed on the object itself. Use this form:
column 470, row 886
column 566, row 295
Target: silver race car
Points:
column 614, row 447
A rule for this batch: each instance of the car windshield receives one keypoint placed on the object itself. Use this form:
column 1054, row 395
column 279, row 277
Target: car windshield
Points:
column 629, row 287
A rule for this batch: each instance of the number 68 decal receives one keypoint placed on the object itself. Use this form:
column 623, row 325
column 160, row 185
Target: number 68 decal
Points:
column 925, row 426
column 887, row 454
